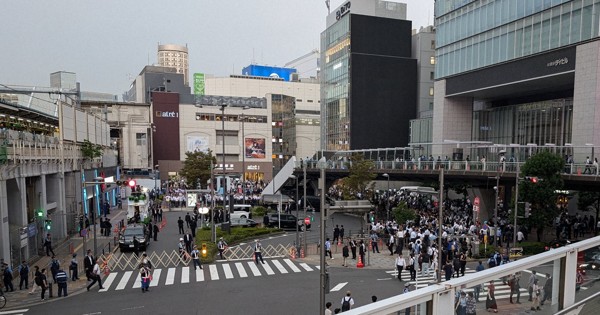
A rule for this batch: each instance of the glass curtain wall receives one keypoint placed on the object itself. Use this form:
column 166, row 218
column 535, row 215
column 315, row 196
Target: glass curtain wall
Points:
column 540, row 123
column 335, row 107
column 284, row 130
column 484, row 33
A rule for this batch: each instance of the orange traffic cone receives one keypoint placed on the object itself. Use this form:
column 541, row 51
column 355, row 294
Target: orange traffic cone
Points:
column 293, row 253
column 301, row 252
column 339, row 242
column 360, row 264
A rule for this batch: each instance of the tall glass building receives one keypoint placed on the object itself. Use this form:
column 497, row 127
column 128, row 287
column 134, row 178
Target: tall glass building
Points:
column 517, row 72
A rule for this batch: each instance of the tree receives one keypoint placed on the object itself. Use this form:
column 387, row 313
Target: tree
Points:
column 589, row 200
column 196, row 167
column 547, row 167
column 90, row 150
column 402, row 213
column 360, row 179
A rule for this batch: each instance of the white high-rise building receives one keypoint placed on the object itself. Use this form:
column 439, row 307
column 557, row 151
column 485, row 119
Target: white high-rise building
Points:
column 175, row 56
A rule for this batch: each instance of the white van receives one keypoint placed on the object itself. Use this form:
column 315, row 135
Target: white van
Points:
column 240, row 212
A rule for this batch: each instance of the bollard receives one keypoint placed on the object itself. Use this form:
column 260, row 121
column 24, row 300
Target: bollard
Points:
column 50, row 289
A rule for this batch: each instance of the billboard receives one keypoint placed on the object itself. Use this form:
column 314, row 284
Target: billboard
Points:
column 197, row 144
column 268, row 72
column 199, row 83
column 254, row 148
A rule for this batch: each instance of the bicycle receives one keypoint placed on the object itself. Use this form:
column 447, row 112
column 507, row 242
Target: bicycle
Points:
column 2, row 299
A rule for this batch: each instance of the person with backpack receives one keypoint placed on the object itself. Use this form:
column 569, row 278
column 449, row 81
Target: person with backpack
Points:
column 61, row 280
column 54, row 267
column 24, row 274
column 347, row 302
column 7, row 277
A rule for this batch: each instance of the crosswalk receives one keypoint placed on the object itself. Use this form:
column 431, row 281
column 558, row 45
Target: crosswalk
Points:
column 223, row 271
column 14, row 312
column 502, row 290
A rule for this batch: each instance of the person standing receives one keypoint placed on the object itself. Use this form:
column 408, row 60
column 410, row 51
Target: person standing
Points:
column 54, row 267
column 336, row 234
column 347, row 302
column 411, row 267
column 400, row 263
column 188, row 218
column 515, row 287
column 406, row 290
column 37, row 280
column 196, row 257
column 490, row 302
column 61, row 280
column 258, row 252
column 362, row 250
column 345, row 254
column 328, row 308
column 353, row 248
column 532, row 279
column 24, row 274
column 328, row 248
column 342, row 233
column 547, row 290
column 155, row 230
column 180, row 225
column 48, row 245
column 374, row 239
column 74, row 266
column 471, row 308
column 448, row 270
column 88, row 264
column 7, row 277
column 188, row 239
column 461, row 304
column 221, row 246
column 390, row 244
column 463, row 263
column 477, row 289
column 535, row 294
column 425, row 257
column 43, row 282
column 96, row 276
column 145, row 278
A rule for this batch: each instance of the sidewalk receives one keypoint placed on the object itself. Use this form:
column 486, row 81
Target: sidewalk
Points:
column 63, row 250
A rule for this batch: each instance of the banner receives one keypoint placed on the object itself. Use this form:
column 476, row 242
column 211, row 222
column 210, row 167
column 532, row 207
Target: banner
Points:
column 254, row 148
column 199, row 83
column 197, row 144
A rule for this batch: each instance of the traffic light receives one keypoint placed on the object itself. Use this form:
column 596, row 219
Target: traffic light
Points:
column 131, row 183
column 204, row 251
column 533, row 179
column 527, row 209
column 371, row 217
column 48, row 224
column 39, row 213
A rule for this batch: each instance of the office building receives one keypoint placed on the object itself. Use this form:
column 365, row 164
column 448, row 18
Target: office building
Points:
column 175, row 56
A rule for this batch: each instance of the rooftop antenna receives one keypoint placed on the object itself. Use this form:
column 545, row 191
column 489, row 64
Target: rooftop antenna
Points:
column 328, row 7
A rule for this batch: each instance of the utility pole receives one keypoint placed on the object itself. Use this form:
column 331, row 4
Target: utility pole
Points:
column 516, row 212
column 440, row 230
column 323, row 273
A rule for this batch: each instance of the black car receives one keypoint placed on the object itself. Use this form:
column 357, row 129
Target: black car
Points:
column 288, row 221
column 140, row 231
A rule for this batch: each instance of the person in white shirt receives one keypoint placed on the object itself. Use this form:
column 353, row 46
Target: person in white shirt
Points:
column 96, row 275
column 400, row 263
column 520, row 236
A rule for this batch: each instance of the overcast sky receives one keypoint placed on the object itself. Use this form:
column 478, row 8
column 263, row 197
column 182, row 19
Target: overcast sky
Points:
column 107, row 42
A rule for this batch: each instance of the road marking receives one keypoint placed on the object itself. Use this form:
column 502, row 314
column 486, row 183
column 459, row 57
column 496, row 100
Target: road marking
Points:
column 108, row 281
column 291, row 264
column 339, row 286
column 227, row 270
column 199, row 275
column 214, row 274
column 185, row 275
column 318, row 267
column 241, row 270
column 14, row 311
column 138, row 282
column 539, row 274
column 306, row 267
column 170, row 276
column 254, row 269
column 279, row 266
column 385, row 279
column 155, row 277
column 268, row 269
column 124, row 280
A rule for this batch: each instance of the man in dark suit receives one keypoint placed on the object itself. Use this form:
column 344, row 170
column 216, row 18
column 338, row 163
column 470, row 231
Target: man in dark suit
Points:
column 188, row 239
column 89, row 263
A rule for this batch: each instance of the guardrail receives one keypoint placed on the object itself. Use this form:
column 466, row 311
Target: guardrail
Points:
column 439, row 298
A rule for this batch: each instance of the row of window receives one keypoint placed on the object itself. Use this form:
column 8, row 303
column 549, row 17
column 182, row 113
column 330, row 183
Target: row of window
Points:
column 217, row 117
column 558, row 27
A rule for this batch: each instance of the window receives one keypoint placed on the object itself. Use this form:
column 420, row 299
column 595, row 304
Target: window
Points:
column 310, row 101
column 431, row 75
column 140, row 139
column 432, row 60
column 433, row 44
column 431, row 91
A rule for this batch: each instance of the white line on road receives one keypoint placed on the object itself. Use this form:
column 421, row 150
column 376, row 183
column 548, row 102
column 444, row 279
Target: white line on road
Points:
column 199, row 275
column 138, row 282
column 155, row 277
column 214, row 274
column 170, row 276
column 241, row 270
column 291, row 264
column 14, row 311
column 306, row 266
column 254, row 269
column 268, row 268
column 385, row 279
column 108, row 281
column 185, row 275
column 279, row 266
column 227, row 270
column 339, row 286
column 124, row 280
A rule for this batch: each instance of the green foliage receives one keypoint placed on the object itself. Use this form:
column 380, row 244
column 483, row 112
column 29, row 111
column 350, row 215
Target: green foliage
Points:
column 196, row 167
column 360, row 179
column 238, row 234
column 546, row 166
column 90, row 150
column 532, row 248
column 258, row 212
column 147, row 220
column 403, row 213
column 589, row 200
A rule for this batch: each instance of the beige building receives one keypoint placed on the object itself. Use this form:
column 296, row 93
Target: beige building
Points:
column 175, row 56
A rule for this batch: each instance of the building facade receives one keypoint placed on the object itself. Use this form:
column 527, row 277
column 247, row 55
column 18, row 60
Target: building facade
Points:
column 368, row 78
column 518, row 72
column 175, row 56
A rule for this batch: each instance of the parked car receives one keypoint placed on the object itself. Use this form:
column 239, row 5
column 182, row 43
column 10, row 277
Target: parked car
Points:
column 140, row 231
column 288, row 221
column 557, row 243
column 243, row 222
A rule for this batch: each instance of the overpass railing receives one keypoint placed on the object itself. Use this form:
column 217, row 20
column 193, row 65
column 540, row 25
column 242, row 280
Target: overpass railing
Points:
column 466, row 166
column 559, row 267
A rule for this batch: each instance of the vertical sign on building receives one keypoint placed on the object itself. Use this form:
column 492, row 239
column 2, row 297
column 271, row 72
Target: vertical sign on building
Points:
column 199, row 83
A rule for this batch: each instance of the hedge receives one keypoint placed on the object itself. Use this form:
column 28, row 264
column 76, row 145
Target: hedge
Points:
column 238, row 234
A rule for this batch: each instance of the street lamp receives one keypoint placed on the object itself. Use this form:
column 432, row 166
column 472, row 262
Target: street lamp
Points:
column 297, row 218
column 243, row 156
column 222, row 108
column 322, row 165
column 387, row 204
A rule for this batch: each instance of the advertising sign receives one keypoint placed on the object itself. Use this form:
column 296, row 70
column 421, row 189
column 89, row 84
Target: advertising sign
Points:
column 199, row 83
column 192, row 198
column 197, row 144
column 254, row 148
column 269, row 72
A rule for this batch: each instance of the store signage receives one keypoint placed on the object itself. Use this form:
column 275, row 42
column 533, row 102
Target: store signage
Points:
column 558, row 62
column 253, row 167
column 167, row 114
column 343, row 10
